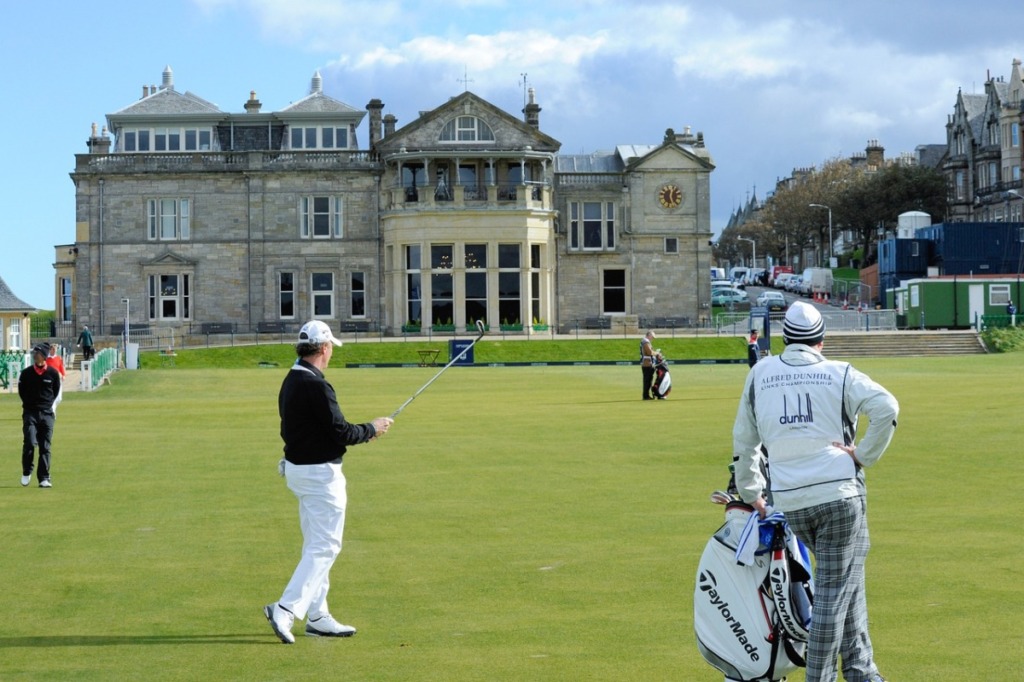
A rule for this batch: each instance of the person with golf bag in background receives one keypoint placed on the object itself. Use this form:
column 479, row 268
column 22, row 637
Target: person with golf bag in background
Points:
column 316, row 436
column 803, row 408
column 647, row 363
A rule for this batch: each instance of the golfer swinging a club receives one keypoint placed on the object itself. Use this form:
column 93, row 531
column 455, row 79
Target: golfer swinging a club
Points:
column 315, row 435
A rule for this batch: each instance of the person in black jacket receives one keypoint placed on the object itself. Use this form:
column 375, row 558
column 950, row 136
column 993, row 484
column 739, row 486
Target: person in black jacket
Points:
column 38, row 387
column 316, row 436
column 753, row 349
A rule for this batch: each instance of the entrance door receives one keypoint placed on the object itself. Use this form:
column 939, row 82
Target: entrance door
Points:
column 976, row 303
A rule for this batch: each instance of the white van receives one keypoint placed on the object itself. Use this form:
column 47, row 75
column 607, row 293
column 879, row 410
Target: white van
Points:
column 738, row 274
column 818, row 281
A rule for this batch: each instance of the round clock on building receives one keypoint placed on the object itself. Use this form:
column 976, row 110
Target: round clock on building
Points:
column 670, row 196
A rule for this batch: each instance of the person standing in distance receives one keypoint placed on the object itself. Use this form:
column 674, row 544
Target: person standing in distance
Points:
column 38, row 388
column 803, row 409
column 753, row 350
column 647, row 363
column 57, row 362
column 315, row 435
column 85, row 341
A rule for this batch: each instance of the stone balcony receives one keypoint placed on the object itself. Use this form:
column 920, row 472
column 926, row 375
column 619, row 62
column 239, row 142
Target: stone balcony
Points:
column 468, row 197
column 248, row 161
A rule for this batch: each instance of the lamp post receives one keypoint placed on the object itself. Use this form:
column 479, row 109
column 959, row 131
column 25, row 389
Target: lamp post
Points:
column 127, row 311
column 830, row 242
column 753, row 258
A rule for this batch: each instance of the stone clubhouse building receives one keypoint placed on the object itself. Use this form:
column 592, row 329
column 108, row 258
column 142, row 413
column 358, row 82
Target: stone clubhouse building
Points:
column 194, row 220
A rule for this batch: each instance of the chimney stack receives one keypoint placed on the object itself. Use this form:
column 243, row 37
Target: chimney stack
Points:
column 389, row 124
column 375, row 107
column 532, row 111
column 98, row 144
column 253, row 105
column 876, row 154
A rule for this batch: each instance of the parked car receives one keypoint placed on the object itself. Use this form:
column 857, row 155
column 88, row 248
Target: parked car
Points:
column 793, row 284
column 727, row 297
column 772, row 300
column 782, row 279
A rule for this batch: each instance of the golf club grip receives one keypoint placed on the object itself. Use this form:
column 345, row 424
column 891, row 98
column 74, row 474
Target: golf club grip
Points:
column 480, row 328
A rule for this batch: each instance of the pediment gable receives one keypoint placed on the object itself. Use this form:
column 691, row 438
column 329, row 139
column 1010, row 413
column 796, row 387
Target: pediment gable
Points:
column 669, row 155
column 169, row 258
column 509, row 132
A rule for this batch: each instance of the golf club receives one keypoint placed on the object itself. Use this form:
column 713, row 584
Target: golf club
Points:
column 480, row 328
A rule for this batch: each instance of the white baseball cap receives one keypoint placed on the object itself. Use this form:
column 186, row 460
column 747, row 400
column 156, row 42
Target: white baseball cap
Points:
column 317, row 332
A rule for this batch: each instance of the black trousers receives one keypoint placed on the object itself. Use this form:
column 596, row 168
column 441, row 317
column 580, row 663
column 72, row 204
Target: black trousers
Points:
column 37, row 429
column 648, row 380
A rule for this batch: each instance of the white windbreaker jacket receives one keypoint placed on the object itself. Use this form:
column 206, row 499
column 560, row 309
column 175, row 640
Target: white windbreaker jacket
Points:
column 796, row 405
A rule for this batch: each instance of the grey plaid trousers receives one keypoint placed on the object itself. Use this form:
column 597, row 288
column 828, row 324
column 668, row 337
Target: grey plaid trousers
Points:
column 837, row 534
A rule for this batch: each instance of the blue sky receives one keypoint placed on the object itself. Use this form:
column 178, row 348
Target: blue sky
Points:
column 773, row 86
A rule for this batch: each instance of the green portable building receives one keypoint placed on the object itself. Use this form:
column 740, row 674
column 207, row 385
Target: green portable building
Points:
column 954, row 302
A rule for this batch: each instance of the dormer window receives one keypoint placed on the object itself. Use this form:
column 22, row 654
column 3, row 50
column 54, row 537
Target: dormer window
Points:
column 466, row 129
column 319, row 137
column 165, row 139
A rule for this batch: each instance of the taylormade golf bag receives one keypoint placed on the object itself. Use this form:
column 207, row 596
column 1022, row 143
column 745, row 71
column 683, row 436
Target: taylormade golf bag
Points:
column 752, row 620
column 662, row 379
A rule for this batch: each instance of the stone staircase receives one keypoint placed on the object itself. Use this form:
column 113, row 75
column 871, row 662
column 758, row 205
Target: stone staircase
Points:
column 840, row 346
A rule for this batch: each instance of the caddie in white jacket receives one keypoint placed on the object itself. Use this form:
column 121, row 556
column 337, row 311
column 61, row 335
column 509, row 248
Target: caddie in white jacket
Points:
column 803, row 409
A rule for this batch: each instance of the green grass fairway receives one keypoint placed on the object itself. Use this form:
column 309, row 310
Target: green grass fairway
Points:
column 526, row 523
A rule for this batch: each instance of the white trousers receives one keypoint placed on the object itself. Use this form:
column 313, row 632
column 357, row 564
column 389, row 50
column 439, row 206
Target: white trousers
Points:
column 320, row 489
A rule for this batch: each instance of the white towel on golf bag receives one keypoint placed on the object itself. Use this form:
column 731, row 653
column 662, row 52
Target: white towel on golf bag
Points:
column 750, row 536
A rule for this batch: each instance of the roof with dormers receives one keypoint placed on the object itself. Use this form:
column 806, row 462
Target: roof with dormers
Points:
column 169, row 101
column 316, row 102
column 319, row 103
column 11, row 303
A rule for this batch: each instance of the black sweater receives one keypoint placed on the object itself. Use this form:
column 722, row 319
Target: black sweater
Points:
column 313, row 428
column 38, row 391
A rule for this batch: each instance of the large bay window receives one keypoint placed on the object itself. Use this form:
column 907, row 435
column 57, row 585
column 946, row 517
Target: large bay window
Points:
column 510, row 284
column 413, row 285
column 442, row 292
column 475, row 258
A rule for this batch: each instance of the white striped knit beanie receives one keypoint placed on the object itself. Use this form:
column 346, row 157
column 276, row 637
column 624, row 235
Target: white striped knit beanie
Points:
column 803, row 324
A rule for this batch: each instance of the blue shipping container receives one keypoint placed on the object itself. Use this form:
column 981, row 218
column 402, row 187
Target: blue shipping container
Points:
column 975, row 248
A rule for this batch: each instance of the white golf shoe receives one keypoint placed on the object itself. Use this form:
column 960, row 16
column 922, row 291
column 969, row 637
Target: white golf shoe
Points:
column 26, row 479
column 281, row 620
column 45, row 483
column 326, row 626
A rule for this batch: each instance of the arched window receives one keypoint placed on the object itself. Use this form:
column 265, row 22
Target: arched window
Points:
column 466, row 129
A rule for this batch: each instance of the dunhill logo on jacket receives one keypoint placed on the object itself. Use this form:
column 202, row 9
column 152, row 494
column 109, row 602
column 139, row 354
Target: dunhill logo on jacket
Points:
column 804, row 413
